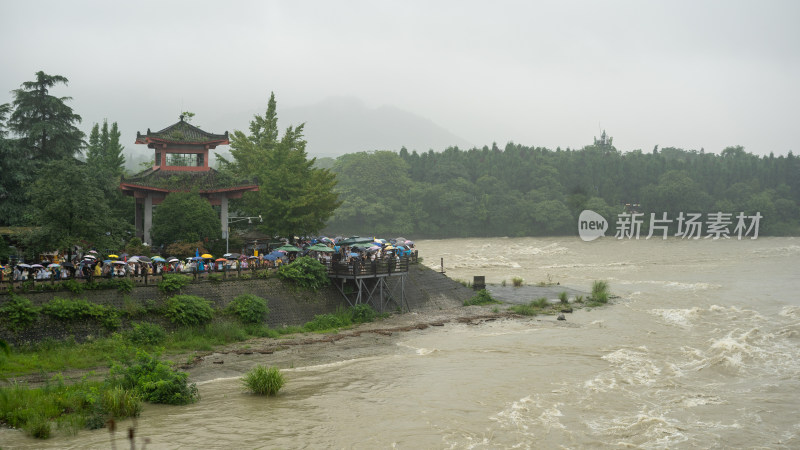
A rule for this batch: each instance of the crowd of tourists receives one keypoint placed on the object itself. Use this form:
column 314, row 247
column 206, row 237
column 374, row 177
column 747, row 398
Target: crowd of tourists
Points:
column 91, row 264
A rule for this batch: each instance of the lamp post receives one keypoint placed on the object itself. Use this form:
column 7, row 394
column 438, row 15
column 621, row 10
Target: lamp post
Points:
column 238, row 219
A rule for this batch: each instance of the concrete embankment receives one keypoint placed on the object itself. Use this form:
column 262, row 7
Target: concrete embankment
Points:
column 424, row 289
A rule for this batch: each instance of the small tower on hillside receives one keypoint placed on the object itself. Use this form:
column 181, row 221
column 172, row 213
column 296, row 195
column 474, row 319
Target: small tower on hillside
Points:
column 604, row 140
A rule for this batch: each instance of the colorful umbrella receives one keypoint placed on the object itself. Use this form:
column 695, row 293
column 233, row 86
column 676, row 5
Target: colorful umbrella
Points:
column 206, row 256
column 288, row 248
column 113, row 256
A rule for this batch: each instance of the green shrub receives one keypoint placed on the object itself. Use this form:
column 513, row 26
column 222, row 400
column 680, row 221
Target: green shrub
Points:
column 215, row 277
column 306, row 272
column 481, row 298
column 517, row 281
column 362, row 313
column 249, row 308
column 263, row 381
column 264, row 274
column 19, row 312
column 579, row 299
column 188, row 310
column 132, row 308
column 599, row 292
column 71, row 310
column 146, row 333
column 72, row 285
column 173, row 282
column 563, row 297
column 503, row 283
column 154, row 381
column 321, row 322
column 123, row 285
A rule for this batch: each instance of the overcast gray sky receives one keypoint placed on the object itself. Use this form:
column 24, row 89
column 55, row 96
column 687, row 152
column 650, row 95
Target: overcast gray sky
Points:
column 688, row 74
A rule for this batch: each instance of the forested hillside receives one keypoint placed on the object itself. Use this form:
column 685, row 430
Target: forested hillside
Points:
column 526, row 191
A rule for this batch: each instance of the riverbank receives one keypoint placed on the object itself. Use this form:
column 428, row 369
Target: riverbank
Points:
column 365, row 340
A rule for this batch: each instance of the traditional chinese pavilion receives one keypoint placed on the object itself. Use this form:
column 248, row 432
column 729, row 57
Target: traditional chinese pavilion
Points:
column 180, row 164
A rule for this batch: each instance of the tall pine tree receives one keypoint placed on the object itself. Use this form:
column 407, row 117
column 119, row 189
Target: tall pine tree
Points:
column 45, row 124
column 294, row 198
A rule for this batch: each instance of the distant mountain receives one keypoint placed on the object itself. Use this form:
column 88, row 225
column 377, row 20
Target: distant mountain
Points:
column 334, row 126
column 339, row 125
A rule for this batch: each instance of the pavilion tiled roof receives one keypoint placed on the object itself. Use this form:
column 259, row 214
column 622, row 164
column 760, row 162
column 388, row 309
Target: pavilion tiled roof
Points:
column 170, row 180
column 182, row 132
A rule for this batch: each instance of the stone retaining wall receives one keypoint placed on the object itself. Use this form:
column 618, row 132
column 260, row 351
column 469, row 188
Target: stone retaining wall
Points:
column 288, row 305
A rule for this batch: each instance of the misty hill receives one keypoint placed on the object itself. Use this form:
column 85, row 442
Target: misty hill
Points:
column 335, row 126
column 339, row 125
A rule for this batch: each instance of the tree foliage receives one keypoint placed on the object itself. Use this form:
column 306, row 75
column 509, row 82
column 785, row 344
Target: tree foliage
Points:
column 294, row 198
column 69, row 209
column 45, row 123
column 532, row 191
column 184, row 216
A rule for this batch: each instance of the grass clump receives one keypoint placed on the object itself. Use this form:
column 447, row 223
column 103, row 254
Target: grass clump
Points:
column 325, row 322
column 538, row 306
column 249, row 308
column 483, row 297
column 188, row 310
column 305, row 272
column 600, row 293
column 264, row 381
column 343, row 317
column 517, row 281
column 81, row 405
column 563, row 297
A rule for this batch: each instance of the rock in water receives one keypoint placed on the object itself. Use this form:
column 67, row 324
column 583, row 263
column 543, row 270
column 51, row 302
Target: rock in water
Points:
column 561, row 317
column 566, row 310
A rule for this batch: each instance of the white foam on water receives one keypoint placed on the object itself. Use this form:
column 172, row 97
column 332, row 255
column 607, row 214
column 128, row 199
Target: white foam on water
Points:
column 515, row 415
column 681, row 317
column 791, row 312
column 691, row 401
column 777, row 251
column 633, row 366
column 645, row 429
column 551, row 249
column 422, row 351
column 612, row 265
column 530, row 413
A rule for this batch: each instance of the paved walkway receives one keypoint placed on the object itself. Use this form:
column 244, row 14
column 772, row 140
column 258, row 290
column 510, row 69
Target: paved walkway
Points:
column 525, row 294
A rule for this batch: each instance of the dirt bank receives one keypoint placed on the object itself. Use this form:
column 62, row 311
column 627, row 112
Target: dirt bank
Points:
column 369, row 339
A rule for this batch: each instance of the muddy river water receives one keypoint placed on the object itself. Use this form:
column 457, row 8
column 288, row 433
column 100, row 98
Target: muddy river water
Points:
column 701, row 349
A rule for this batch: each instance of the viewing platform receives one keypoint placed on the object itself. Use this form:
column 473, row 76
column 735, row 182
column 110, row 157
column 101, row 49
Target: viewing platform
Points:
column 380, row 283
